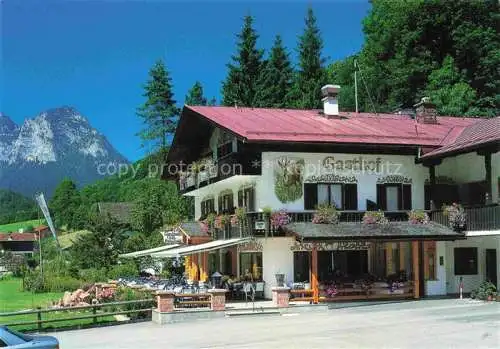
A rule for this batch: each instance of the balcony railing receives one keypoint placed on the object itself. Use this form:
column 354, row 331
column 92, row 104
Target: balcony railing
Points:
column 477, row 218
column 258, row 224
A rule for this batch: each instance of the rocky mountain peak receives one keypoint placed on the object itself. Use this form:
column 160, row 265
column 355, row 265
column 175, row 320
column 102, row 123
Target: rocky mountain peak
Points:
column 57, row 143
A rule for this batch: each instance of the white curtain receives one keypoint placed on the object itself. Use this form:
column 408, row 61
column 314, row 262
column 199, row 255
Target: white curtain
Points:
column 322, row 194
column 336, row 195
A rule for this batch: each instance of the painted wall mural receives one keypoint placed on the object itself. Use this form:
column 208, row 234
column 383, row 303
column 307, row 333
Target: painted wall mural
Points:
column 288, row 179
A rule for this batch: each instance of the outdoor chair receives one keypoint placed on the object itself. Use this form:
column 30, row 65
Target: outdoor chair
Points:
column 259, row 290
column 249, row 291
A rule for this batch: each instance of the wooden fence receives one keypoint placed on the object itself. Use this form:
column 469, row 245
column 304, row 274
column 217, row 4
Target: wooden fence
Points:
column 38, row 313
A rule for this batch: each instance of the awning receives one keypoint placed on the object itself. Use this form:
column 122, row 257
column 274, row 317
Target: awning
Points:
column 209, row 246
column 143, row 253
column 390, row 231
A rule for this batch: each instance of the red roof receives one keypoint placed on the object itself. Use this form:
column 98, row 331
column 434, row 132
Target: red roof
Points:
column 291, row 125
column 17, row 237
column 483, row 132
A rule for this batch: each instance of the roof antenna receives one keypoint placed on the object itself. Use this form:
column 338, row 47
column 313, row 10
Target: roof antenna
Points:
column 356, row 84
column 366, row 87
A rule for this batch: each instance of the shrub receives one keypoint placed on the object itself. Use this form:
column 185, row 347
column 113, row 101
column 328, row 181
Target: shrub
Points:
column 93, row 275
column 418, row 217
column 128, row 294
column 33, row 282
column 61, row 284
column 486, row 289
column 374, row 217
column 123, row 270
column 326, row 214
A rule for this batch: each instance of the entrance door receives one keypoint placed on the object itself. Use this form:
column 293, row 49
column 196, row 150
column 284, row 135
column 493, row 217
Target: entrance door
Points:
column 491, row 265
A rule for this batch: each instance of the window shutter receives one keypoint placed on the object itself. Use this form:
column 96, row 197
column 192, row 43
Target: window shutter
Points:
column 310, row 196
column 351, row 197
column 406, row 196
column 241, row 202
column 220, row 208
column 400, row 197
column 251, row 193
column 230, row 203
column 381, row 197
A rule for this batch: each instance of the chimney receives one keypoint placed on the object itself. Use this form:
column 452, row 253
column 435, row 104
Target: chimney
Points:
column 426, row 112
column 330, row 101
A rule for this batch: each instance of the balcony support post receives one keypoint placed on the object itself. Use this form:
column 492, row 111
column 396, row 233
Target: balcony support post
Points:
column 314, row 275
column 415, row 268
column 487, row 167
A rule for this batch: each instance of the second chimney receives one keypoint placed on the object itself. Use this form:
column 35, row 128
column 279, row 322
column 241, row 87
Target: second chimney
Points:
column 330, row 100
column 426, row 111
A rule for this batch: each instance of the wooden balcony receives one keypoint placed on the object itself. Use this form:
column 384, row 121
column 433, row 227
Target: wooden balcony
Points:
column 477, row 218
column 225, row 167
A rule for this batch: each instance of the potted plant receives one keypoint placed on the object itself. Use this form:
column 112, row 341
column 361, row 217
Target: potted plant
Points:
column 279, row 219
column 374, row 217
column 418, row 217
column 326, row 214
column 456, row 216
column 221, row 221
column 280, row 279
column 485, row 291
column 266, row 214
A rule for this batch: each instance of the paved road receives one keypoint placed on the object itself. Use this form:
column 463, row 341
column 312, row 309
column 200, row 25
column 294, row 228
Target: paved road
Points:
column 424, row 324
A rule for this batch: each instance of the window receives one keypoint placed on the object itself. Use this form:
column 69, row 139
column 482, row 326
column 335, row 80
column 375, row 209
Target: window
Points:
column 394, row 197
column 465, row 260
column 301, row 266
column 3, row 344
column 251, row 265
column 246, row 198
column 226, row 203
column 224, row 149
column 207, row 206
column 343, row 196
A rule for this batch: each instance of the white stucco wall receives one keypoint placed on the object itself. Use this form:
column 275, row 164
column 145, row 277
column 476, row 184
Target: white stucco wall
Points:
column 367, row 189
column 471, row 281
column 276, row 257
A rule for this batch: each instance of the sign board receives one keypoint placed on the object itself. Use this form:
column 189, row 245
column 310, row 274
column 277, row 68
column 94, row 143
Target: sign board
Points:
column 331, row 246
column 260, row 225
column 172, row 237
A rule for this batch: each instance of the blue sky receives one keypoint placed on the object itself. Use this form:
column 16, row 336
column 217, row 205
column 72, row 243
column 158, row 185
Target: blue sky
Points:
column 95, row 55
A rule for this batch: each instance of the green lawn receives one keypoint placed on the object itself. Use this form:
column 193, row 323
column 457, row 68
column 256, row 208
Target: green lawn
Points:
column 13, row 298
column 14, row 227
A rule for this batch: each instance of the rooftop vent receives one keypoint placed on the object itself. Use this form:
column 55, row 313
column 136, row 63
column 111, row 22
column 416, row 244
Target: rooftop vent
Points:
column 330, row 100
column 426, row 112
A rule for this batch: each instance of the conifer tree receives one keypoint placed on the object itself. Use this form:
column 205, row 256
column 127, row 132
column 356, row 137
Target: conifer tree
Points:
column 240, row 85
column 159, row 112
column 310, row 77
column 195, row 95
column 275, row 79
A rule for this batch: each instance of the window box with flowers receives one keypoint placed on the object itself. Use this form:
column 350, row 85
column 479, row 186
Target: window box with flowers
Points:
column 418, row 217
column 375, row 217
column 326, row 214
